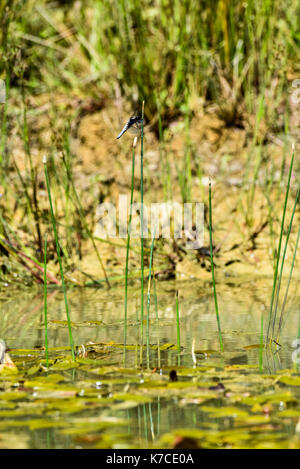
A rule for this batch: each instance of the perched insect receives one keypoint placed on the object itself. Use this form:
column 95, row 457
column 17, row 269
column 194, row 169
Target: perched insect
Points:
column 133, row 125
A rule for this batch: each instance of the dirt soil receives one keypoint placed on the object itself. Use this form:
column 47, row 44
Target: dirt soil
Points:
column 102, row 171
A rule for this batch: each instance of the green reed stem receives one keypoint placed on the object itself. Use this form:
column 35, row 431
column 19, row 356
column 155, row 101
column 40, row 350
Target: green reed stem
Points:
column 177, row 322
column 45, row 301
column 142, row 225
column 279, row 247
column 148, row 300
column 213, row 271
column 59, row 261
column 128, row 246
column 261, row 342
column 288, row 283
column 282, row 262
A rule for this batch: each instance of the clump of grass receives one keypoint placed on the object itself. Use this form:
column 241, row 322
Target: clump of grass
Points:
column 213, row 271
column 147, row 49
column 59, row 258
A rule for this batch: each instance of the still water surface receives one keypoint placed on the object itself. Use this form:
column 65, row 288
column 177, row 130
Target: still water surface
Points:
column 98, row 317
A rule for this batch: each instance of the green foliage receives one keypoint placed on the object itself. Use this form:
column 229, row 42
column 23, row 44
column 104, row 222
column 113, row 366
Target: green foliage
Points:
column 161, row 51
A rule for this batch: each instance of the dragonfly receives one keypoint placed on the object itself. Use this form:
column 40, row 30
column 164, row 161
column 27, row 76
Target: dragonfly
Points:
column 133, row 124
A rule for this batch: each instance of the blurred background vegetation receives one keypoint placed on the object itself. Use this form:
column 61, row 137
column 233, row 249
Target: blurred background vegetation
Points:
column 169, row 53
column 183, row 57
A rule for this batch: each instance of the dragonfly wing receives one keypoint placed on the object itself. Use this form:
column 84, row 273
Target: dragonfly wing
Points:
column 133, row 123
column 134, row 129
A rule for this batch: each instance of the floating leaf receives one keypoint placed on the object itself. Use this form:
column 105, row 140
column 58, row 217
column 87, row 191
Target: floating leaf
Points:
column 290, row 380
column 132, row 397
column 12, row 396
column 221, row 412
column 291, row 413
column 65, row 364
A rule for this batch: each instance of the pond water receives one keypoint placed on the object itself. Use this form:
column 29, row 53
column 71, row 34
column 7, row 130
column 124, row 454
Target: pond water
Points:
column 113, row 398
